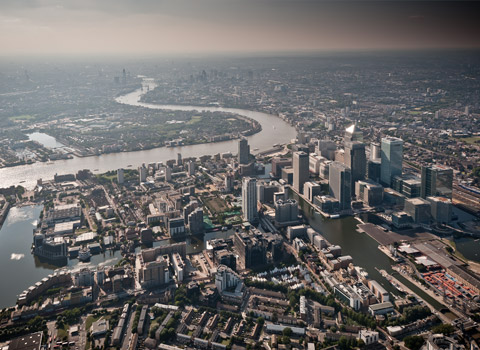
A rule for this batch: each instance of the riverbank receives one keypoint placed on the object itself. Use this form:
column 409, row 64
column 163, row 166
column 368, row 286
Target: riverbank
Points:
column 263, row 140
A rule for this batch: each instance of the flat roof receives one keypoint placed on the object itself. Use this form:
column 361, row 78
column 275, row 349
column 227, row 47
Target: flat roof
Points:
column 31, row 341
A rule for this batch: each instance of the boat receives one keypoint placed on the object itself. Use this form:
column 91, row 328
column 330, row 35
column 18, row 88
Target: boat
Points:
column 84, row 255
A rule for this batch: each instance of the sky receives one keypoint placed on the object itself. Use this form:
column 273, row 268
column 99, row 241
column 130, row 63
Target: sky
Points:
column 38, row 27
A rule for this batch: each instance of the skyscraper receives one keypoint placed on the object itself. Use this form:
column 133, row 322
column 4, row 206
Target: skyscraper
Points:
column 243, row 151
column 179, row 159
column 142, row 173
column 352, row 133
column 392, row 157
column 300, row 170
column 249, row 199
column 375, row 151
column 437, row 180
column 191, row 168
column 120, row 178
column 339, row 184
column 356, row 160
column 229, row 181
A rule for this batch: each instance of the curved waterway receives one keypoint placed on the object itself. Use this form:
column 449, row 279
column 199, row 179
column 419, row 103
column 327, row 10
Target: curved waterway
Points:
column 274, row 130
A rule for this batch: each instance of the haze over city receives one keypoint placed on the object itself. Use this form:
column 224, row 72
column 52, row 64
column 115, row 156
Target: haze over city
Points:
column 241, row 26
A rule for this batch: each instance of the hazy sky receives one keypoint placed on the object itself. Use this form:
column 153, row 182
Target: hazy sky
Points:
column 185, row 26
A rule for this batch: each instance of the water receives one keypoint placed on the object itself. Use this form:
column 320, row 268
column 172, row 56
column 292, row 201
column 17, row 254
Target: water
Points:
column 19, row 268
column 360, row 246
column 46, row 140
column 16, row 238
column 263, row 140
column 469, row 247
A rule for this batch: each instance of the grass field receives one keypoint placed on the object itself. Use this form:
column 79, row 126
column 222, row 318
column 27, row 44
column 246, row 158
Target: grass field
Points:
column 216, row 205
column 471, row 140
column 195, row 119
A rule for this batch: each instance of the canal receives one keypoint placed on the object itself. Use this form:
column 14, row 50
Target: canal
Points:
column 361, row 247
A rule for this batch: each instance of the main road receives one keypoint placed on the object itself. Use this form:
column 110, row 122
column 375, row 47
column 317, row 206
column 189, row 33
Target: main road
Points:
column 274, row 130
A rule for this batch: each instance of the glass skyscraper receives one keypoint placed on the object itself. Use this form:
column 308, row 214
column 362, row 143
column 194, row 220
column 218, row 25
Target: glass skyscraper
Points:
column 392, row 158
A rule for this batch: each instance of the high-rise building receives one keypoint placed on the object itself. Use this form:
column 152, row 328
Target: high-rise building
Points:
column 375, row 151
column 286, row 212
column 440, row 209
column 243, row 151
column 249, row 199
column 339, row 183
column 311, row 189
column 191, row 168
column 352, row 133
column 326, row 149
column 356, row 160
column 142, row 173
column 179, row 159
column 300, row 170
column 168, row 173
column 195, row 221
column 437, row 180
column 120, row 177
column 229, row 182
column 419, row 209
column 251, row 249
column 392, row 158
column 374, row 169
column 278, row 164
column 369, row 192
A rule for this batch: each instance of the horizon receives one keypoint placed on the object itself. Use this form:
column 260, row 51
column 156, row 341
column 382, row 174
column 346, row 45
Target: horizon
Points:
column 185, row 27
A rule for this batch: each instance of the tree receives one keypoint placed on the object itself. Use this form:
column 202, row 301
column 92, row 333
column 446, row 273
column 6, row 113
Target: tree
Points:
column 413, row 342
column 287, row 331
column 443, row 328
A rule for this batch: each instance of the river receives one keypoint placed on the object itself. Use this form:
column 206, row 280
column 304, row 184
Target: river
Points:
column 274, row 130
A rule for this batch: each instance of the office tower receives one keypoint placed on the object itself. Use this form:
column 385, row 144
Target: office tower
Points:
column 191, row 168
column 300, row 170
column 369, row 192
column 375, row 151
column 339, row 183
column 266, row 191
column 356, row 160
column 326, row 149
column 374, row 169
column 249, row 199
column 441, row 209
column 120, row 178
column 314, row 163
column 352, row 133
column 392, row 157
column 419, row 209
column 243, row 151
column 278, row 164
column 142, row 173
column 311, row 189
column 168, row 174
column 179, row 159
column 437, row 180
column 195, row 221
